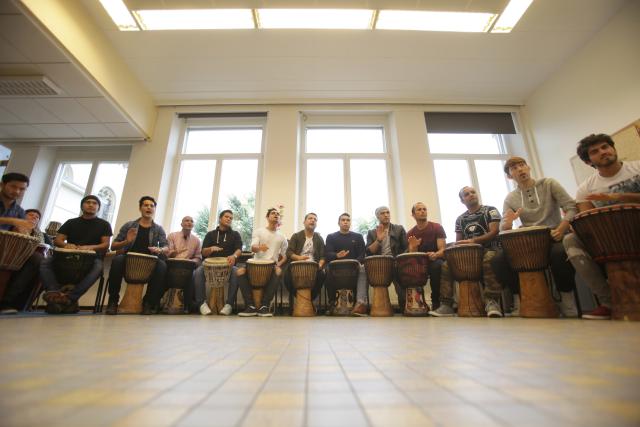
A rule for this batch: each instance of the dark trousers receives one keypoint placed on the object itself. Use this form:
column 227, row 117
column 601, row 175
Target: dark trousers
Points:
column 51, row 283
column 22, row 282
column 267, row 296
column 315, row 291
column 155, row 287
column 435, row 272
column 561, row 269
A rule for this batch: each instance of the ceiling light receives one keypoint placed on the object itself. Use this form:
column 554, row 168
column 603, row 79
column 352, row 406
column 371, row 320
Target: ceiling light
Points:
column 511, row 15
column 419, row 20
column 195, row 19
column 120, row 15
column 345, row 19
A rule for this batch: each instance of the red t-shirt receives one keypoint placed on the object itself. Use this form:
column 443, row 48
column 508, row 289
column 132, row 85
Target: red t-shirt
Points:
column 429, row 235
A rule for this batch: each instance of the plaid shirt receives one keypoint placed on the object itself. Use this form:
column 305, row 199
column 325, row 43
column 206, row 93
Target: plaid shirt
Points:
column 14, row 211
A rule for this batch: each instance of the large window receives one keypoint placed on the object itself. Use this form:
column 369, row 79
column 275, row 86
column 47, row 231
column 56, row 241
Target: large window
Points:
column 467, row 159
column 5, row 153
column 345, row 170
column 218, row 169
column 76, row 179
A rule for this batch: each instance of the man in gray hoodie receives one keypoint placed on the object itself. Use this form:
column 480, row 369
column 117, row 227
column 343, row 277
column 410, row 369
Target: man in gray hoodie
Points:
column 538, row 202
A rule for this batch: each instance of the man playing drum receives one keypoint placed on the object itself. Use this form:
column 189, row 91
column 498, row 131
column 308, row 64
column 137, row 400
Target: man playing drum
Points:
column 267, row 244
column 221, row 242
column 537, row 202
column 143, row 236
column 87, row 232
column 345, row 244
column 12, row 218
column 429, row 237
column 387, row 239
column 306, row 245
column 184, row 244
column 479, row 225
column 614, row 182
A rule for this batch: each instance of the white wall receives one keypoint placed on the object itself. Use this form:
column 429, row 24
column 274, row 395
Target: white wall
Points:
column 595, row 91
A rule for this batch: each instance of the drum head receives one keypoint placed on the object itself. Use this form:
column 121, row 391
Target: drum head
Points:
column 216, row 261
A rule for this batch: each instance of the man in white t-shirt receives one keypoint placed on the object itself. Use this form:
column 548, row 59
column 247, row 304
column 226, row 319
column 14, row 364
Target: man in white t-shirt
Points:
column 614, row 182
column 266, row 244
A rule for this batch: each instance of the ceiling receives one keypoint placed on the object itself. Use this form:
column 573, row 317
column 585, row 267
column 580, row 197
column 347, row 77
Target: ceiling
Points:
column 295, row 66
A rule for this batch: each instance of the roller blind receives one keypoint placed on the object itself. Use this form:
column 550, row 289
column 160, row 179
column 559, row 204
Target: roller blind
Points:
column 494, row 123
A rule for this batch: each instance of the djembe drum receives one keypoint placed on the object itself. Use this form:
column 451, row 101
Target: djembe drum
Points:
column 528, row 250
column 216, row 273
column 179, row 275
column 413, row 272
column 303, row 276
column 465, row 264
column 611, row 234
column 137, row 272
column 70, row 266
column 379, row 269
column 259, row 272
column 52, row 229
column 344, row 274
column 15, row 250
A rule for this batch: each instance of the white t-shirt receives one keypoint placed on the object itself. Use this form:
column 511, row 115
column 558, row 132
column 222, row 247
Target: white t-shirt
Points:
column 627, row 180
column 307, row 249
column 275, row 241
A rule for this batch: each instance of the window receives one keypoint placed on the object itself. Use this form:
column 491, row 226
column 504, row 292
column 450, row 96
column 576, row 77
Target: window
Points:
column 345, row 170
column 467, row 159
column 218, row 169
column 5, row 153
column 76, row 179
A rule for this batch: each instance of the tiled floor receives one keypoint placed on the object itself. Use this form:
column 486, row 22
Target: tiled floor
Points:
column 214, row 371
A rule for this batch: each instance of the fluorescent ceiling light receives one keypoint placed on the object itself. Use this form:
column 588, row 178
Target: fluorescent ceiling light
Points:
column 420, row 20
column 195, row 19
column 511, row 15
column 120, row 15
column 347, row 19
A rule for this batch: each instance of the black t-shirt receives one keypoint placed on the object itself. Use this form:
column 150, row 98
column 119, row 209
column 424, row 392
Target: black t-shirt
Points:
column 229, row 240
column 80, row 231
column 141, row 244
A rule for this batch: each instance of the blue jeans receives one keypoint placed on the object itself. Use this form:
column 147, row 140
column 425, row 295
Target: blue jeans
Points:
column 50, row 282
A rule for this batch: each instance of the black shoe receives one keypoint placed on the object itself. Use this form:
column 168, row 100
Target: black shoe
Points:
column 147, row 310
column 112, row 308
column 71, row 308
column 53, row 308
column 248, row 312
column 264, row 312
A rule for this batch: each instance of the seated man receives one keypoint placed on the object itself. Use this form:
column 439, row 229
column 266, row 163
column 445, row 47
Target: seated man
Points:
column 387, row 239
column 345, row 244
column 89, row 233
column 538, row 202
column 143, row 236
column 221, row 242
column 429, row 237
column 267, row 244
column 479, row 225
column 12, row 218
column 614, row 182
column 184, row 244
column 306, row 245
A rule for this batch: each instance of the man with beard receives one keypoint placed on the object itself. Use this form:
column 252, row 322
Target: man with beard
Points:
column 614, row 182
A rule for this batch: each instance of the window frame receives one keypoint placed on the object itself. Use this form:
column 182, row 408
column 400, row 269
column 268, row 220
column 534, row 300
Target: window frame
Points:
column 226, row 123
column 350, row 121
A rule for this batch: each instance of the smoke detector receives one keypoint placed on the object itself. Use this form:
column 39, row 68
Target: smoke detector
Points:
column 28, row 86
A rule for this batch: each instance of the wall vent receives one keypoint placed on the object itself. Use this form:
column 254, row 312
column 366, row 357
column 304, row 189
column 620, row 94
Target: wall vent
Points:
column 27, row 86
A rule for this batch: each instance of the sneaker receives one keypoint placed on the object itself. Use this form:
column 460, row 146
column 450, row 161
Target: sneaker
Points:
column 493, row 309
column 71, row 308
column 248, row 312
column 204, row 309
column 264, row 312
column 600, row 313
column 8, row 310
column 443, row 311
column 360, row 310
column 112, row 308
column 515, row 311
column 568, row 305
column 226, row 310
column 53, row 308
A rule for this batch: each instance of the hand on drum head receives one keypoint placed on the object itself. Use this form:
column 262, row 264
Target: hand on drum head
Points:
column 71, row 246
column 414, row 242
column 343, row 253
column 22, row 226
column 603, row 197
column 231, row 260
column 464, row 242
column 155, row 250
column 432, row 256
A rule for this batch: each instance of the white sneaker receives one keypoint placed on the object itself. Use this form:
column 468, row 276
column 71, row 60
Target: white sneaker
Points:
column 204, row 309
column 492, row 308
column 226, row 310
column 568, row 304
column 8, row 311
column 515, row 312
